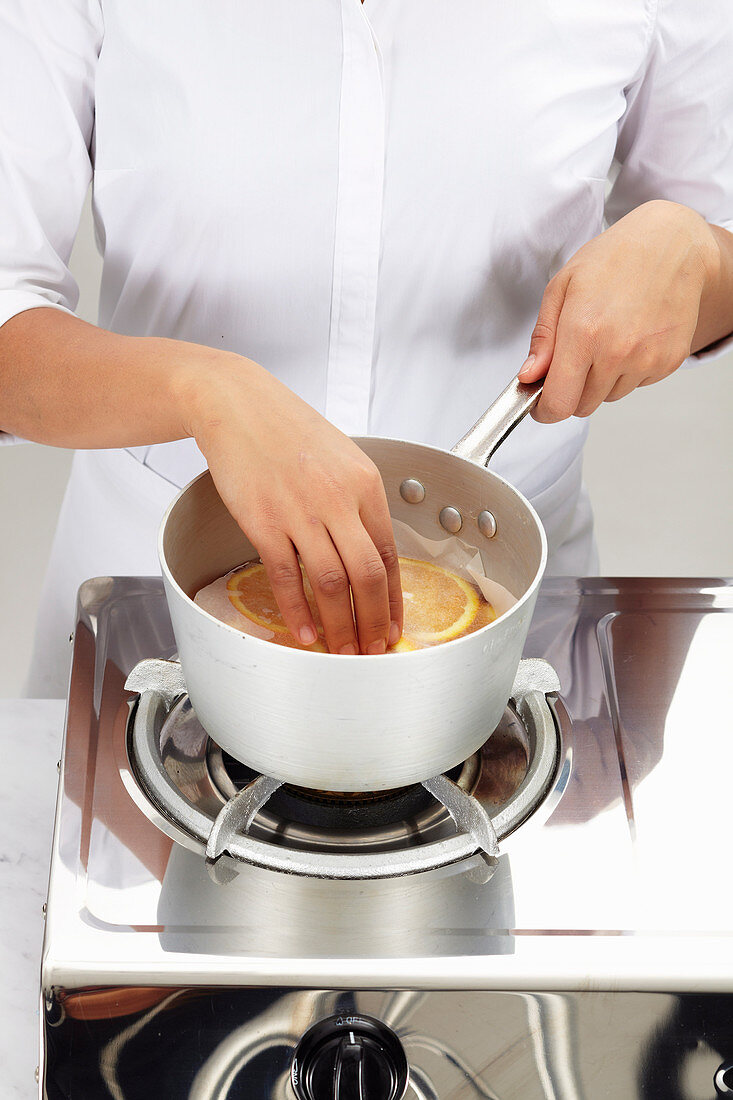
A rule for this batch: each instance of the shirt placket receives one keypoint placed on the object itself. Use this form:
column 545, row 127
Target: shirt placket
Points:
column 358, row 225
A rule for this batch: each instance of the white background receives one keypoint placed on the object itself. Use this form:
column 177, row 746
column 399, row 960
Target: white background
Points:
column 658, row 465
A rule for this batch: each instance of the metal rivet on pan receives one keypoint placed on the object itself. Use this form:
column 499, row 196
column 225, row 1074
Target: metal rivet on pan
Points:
column 486, row 524
column 451, row 519
column 412, row 491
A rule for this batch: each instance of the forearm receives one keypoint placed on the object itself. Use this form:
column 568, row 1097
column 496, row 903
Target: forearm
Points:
column 272, row 458
column 70, row 384
column 715, row 319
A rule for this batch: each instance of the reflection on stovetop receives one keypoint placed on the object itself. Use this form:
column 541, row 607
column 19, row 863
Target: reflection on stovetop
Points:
column 132, row 1046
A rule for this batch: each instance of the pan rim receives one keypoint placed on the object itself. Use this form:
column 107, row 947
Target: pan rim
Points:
column 292, row 654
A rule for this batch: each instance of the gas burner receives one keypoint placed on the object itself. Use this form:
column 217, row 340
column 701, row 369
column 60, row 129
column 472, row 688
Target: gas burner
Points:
column 205, row 798
column 336, row 810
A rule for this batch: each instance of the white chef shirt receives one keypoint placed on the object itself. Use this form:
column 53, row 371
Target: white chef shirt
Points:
column 367, row 199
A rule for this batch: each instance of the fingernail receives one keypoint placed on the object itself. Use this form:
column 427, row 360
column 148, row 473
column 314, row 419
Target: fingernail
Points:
column 394, row 634
column 307, row 635
column 526, row 365
column 348, row 650
column 375, row 648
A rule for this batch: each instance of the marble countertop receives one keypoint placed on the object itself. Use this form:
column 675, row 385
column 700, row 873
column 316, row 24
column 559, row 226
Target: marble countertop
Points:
column 31, row 732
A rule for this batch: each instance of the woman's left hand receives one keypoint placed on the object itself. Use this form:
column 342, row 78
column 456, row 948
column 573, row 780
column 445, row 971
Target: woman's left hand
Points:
column 623, row 312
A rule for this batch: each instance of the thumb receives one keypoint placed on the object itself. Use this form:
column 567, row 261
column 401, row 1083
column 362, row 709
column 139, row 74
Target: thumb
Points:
column 542, row 344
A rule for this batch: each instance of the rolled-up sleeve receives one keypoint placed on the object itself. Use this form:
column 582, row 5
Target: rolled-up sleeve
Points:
column 676, row 138
column 48, row 56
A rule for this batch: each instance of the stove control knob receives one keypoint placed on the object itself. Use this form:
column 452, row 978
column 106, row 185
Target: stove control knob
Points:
column 349, row 1058
column 724, row 1079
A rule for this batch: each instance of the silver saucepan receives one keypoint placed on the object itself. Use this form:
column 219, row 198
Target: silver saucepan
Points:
column 361, row 723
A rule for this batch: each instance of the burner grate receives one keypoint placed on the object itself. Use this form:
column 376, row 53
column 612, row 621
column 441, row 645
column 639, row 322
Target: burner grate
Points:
column 185, row 777
column 329, row 810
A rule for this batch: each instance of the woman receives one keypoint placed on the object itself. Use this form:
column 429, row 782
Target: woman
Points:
column 385, row 205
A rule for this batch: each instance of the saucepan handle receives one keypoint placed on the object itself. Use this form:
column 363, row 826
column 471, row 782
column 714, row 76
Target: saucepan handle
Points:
column 511, row 406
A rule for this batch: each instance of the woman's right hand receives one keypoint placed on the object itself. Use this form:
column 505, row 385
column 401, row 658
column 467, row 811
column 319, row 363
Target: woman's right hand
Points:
column 298, row 487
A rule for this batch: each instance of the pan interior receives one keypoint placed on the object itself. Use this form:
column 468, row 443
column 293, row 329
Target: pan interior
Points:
column 513, row 557
column 200, row 541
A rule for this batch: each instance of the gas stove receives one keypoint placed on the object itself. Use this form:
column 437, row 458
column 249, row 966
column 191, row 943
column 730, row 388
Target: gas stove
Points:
column 552, row 920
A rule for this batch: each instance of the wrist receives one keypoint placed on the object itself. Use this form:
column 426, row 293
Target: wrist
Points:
column 202, row 384
column 712, row 257
column 708, row 250
column 699, row 238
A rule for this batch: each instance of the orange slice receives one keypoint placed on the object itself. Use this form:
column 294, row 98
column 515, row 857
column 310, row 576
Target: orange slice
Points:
column 438, row 605
column 250, row 592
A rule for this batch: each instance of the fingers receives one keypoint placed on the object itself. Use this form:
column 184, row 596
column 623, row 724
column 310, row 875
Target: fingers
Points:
column 310, row 498
column 351, row 564
column 566, row 377
column 368, row 577
column 330, row 582
column 360, row 575
column 364, row 540
column 286, row 579
column 388, row 553
column 349, row 578
column 598, row 384
column 592, row 362
column 542, row 343
column 625, row 385
column 378, row 525
column 355, row 578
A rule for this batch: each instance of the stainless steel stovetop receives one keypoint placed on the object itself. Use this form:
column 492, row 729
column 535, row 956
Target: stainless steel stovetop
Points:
column 594, row 958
